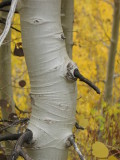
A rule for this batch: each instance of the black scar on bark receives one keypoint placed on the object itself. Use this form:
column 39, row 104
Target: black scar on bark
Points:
column 83, row 79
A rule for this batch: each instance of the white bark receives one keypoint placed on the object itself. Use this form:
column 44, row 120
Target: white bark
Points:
column 67, row 17
column 53, row 96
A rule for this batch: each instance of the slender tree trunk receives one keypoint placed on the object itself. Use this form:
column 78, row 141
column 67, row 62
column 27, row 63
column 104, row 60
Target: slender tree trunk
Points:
column 5, row 79
column 112, row 52
column 67, row 17
column 111, row 58
column 53, row 97
column 6, row 94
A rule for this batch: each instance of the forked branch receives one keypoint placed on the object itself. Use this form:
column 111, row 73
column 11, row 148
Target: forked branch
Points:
column 24, row 138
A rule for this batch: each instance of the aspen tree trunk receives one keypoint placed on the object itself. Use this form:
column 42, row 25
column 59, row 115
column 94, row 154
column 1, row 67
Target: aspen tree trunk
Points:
column 112, row 52
column 6, row 93
column 67, row 17
column 53, row 97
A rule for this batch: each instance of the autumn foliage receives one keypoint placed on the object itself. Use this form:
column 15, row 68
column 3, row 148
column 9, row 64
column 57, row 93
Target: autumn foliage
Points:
column 92, row 34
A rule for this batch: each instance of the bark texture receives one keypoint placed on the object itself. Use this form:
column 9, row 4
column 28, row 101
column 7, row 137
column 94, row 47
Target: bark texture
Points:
column 67, row 17
column 112, row 52
column 53, row 96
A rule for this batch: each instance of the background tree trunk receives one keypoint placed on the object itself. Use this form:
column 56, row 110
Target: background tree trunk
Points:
column 53, row 97
column 5, row 80
column 112, row 52
column 6, row 94
column 5, row 74
column 67, row 17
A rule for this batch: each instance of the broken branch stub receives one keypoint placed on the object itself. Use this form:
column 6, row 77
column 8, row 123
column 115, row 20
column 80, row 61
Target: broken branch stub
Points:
column 82, row 78
column 73, row 73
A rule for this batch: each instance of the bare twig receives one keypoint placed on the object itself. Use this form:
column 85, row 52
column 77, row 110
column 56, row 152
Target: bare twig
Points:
column 5, row 120
column 21, row 110
column 100, row 22
column 72, row 141
column 79, row 127
column 5, row 3
column 6, row 10
column 116, row 76
column 10, row 137
column 78, row 75
column 3, row 20
column 24, row 138
column 109, row 2
column 24, row 120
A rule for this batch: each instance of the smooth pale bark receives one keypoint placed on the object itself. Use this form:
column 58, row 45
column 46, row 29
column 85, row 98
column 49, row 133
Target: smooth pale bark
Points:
column 67, row 17
column 53, row 97
column 112, row 53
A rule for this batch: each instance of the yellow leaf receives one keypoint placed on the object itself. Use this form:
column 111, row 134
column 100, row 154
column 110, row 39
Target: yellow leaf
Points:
column 83, row 122
column 99, row 150
column 112, row 158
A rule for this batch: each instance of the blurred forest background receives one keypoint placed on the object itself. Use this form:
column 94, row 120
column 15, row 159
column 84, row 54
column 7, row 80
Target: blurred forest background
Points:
column 93, row 20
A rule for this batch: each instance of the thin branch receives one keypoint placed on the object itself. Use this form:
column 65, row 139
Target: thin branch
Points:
column 24, row 138
column 10, row 137
column 116, row 76
column 108, row 2
column 78, row 75
column 24, row 120
column 100, row 22
column 5, row 3
column 3, row 20
column 79, row 127
column 4, row 120
column 7, row 42
column 72, row 141
column 8, row 21
column 21, row 110
column 105, row 44
column 6, row 10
